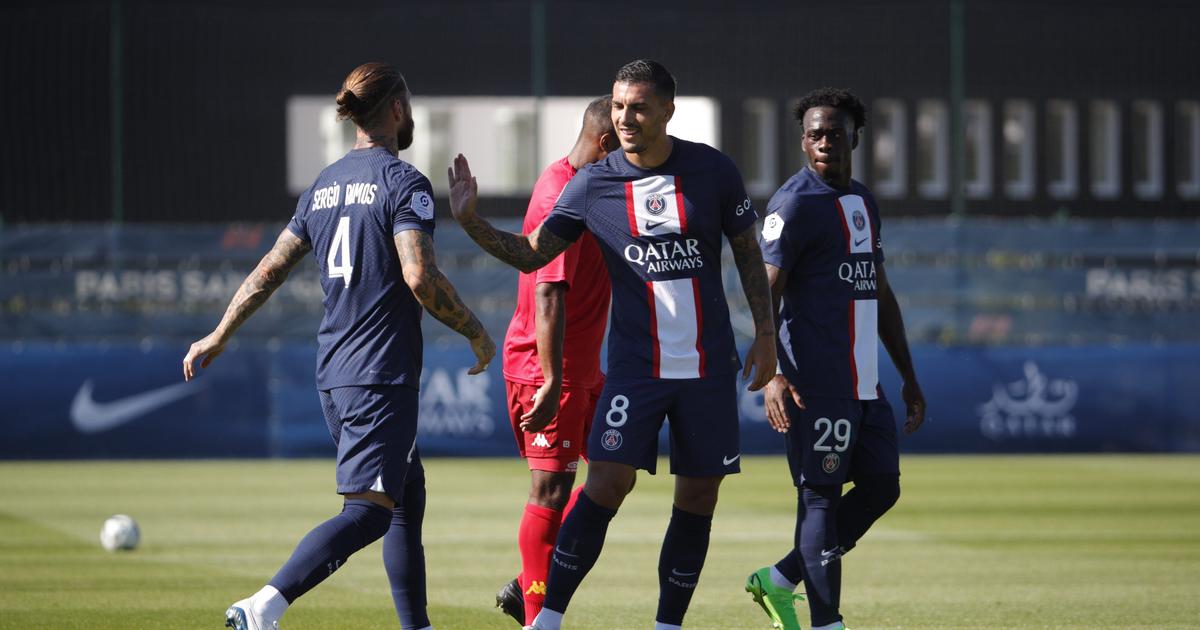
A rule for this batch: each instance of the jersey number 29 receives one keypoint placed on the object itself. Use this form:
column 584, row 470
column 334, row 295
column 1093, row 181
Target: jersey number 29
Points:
column 340, row 249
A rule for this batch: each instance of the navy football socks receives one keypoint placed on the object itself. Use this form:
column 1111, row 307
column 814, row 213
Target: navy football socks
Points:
column 579, row 542
column 679, row 564
column 819, row 550
column 327, row 547
column 870, row 498
column 404, row 557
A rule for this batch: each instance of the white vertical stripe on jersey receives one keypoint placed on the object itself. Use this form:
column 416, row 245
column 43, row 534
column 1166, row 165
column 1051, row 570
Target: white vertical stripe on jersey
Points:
column 675, row 320
column 864, row 314
column 860, row 238
column 656, row 212
column 866, row 348
column 661, row 191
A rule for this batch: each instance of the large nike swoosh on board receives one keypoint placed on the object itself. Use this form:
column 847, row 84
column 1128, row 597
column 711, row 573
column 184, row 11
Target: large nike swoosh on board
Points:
column 90, row 416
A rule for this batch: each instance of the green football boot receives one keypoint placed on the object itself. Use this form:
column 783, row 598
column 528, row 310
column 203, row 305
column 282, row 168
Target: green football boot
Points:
column 779, row 603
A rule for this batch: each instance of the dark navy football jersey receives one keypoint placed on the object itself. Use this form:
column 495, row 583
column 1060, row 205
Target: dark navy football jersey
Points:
column 660, row 232
column 828, row 241
column 371, row 332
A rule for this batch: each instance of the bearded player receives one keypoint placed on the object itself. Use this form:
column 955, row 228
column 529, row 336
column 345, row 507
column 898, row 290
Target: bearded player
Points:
column 660, row 209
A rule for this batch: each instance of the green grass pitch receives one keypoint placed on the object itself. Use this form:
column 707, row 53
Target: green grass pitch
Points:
column 983, row 542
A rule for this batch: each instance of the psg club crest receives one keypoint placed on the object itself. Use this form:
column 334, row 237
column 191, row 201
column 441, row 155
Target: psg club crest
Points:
column 656, row 204
column 859, row 221
column 611, row 440
column 831, row 463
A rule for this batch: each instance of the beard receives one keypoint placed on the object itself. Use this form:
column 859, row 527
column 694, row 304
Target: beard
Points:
column 404, row 136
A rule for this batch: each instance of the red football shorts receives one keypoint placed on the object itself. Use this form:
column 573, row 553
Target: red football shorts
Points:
column 559, row 446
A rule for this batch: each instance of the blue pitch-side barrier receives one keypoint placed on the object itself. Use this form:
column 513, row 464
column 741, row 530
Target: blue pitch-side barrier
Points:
column 99, row 401
column 1029, row 336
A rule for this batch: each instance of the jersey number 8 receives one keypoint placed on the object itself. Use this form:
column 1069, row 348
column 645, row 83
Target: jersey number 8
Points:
column 340, row 248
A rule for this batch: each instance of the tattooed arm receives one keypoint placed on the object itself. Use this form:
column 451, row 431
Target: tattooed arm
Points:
column 270, row 273
column 761, row 355
column 526, row 253
column 439, row 297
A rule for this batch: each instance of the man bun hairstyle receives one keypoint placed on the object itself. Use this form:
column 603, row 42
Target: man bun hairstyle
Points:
column 366, row 89
column 648, row 71
column 837, row 98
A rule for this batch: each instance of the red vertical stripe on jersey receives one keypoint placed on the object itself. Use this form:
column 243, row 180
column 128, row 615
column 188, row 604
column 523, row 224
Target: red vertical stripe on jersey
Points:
column 632, row 214
column 679, row 208
column 846, row 232
column 654, row 351
column 699, row 321
column 853, row 363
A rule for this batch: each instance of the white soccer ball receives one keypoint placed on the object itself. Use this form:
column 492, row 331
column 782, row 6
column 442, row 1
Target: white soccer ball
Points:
column 120, row 532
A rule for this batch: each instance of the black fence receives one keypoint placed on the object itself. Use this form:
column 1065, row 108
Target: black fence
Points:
column 137, row 111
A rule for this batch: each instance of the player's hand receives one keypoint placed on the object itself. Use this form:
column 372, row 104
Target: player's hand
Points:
column 914, row 404
column 206, row 349
column 760, row 357
column 484, row 349
column 775, row 402
column 545, row 407
column 464, row 190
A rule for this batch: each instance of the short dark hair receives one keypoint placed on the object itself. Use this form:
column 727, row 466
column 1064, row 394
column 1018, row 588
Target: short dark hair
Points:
column 648, row 71
column 837, row 98
column 597, row 118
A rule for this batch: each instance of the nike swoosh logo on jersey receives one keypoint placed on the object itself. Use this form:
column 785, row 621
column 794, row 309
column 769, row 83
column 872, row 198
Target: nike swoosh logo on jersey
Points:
column 729, row 460
column 89, row 416
column 864, row 240
column 651, row 226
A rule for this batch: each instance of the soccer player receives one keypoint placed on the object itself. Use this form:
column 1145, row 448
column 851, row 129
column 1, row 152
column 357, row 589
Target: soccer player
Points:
column 658, row 209
column 824, row 256
column 369, row 220
column 552, row 365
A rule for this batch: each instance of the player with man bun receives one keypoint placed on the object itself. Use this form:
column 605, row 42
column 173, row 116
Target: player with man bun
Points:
column 368, row 218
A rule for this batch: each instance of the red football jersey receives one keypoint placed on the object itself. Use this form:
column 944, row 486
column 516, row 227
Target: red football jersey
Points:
column 582, row 268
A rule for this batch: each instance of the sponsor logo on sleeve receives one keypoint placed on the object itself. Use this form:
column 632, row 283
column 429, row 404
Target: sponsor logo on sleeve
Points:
column 772, row 227
column 422, row 204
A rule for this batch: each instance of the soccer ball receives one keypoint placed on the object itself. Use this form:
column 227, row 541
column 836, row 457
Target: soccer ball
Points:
column 120, row 532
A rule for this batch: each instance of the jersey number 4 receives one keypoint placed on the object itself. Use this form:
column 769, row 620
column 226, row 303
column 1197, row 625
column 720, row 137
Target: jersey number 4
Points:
column 340, row 249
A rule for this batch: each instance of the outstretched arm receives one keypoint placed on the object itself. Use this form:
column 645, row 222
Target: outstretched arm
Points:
column 761, row 355
column 270, row 273
column 434, row 291
column 891, row 333
column 526, row 253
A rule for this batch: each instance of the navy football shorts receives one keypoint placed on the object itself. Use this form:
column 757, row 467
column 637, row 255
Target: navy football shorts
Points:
column 834, row 440
column 702, row 421
column 375, row 430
